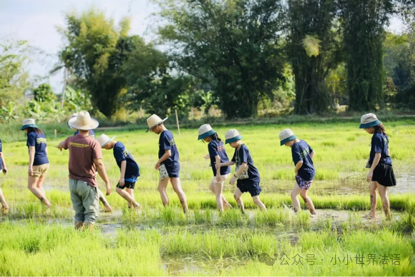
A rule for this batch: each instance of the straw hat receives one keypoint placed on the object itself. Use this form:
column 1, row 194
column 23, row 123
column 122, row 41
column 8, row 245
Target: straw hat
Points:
column 369, row 120
column 72, row 116
column 104, row 139
column 83, row 122
column 232, row 135
column 153, row 121
column 286, row 135
column 205, row 131
column 27, row 123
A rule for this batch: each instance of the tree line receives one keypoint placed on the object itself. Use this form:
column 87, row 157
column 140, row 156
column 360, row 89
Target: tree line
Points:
column 236, row 54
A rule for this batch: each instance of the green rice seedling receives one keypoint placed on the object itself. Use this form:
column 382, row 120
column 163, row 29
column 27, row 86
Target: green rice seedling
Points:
column 232, row 218
column 272, row 217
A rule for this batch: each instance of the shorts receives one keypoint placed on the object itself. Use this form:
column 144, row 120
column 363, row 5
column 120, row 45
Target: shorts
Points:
column 303, row 184
column 173, row 169
column 384, row 175
column 252, row 187
column 127, row 185
column 40, row 170
column 222, row 178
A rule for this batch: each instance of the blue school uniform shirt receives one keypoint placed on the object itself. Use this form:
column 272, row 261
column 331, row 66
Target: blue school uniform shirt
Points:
column 242, row 155
column 132, row 171
column 166, row 142
column 216, row 148
column 39, row 142
column 91, row 133
column 380, row 144
column 1, row 150
column 301, row 152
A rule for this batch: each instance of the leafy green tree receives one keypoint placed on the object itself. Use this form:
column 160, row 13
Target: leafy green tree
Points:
column 44, row 93
column 314, row 50
column 363, row 24
column 234, row 45
column 95, row 53
column 13, row 76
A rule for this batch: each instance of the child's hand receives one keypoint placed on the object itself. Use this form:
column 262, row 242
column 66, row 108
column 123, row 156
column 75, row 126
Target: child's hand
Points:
column 206, row 157
column 4, row 171
column 122, row 182
column 369, row 176
column 218, row 178
column 233, row 180
column 157, row 166
column 218, row 166
column 30, row 171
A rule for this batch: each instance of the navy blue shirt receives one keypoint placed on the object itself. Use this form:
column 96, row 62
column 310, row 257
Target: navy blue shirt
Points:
column 39, row 142
column 216, row 148
column 1, row 150
column 132, row 171
column 91, row 133
column 166, row 142
column 380, row 144
column 301, row 152
column 242, row 155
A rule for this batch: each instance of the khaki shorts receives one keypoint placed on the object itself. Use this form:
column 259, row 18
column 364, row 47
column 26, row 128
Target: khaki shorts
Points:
column 40, row 170
column 222, row 178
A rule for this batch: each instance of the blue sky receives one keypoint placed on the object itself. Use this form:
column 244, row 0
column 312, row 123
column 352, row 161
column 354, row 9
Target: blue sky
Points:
column 36, row 21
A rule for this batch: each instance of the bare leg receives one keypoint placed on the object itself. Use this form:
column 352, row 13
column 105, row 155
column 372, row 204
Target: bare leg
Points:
column 33, row 187
column 127, row 196
column 308, row 202
column 162, row 189
column 4, row 205
column 258, row 202
column 180, row 193
column 131, row 192
column 39, row 185
column 107, row 207
column 373, row 199
column 294, row 197
column 218, row 186
column 212, row 187
column 383, row 192
column 237, row 195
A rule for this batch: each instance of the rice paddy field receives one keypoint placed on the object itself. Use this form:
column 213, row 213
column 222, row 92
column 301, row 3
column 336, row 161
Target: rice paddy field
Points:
column 164, row 241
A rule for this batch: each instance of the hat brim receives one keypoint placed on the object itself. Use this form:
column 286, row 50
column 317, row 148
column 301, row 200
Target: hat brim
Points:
column 370, row 124
column 233, row 139
column 92, row 125
column 156, row 124
column 29, row 126
column 284, row 141
column 207, row 134
column 108, row 141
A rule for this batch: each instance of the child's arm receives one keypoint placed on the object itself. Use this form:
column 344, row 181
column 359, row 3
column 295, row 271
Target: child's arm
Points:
column 217, row 161
column 312, row 154
column 123, row 168
column 298, row 166
column 31, row 159
column 244, row 166
column 374, row 164
column 167, row 154
column 3, row 161
column 219, row 165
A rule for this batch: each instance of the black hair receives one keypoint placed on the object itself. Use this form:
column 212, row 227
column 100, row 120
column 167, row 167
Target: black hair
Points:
column 380, row 129
column 215, row 137
column 36, row 130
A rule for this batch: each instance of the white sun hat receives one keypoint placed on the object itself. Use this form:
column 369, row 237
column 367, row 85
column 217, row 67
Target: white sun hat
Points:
column 153, row 121
column 205, row 131
column 369, row 120
column 286, row 135
column 104, row 139
column 232, row 135
column 27, row 123
column 83, row 122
